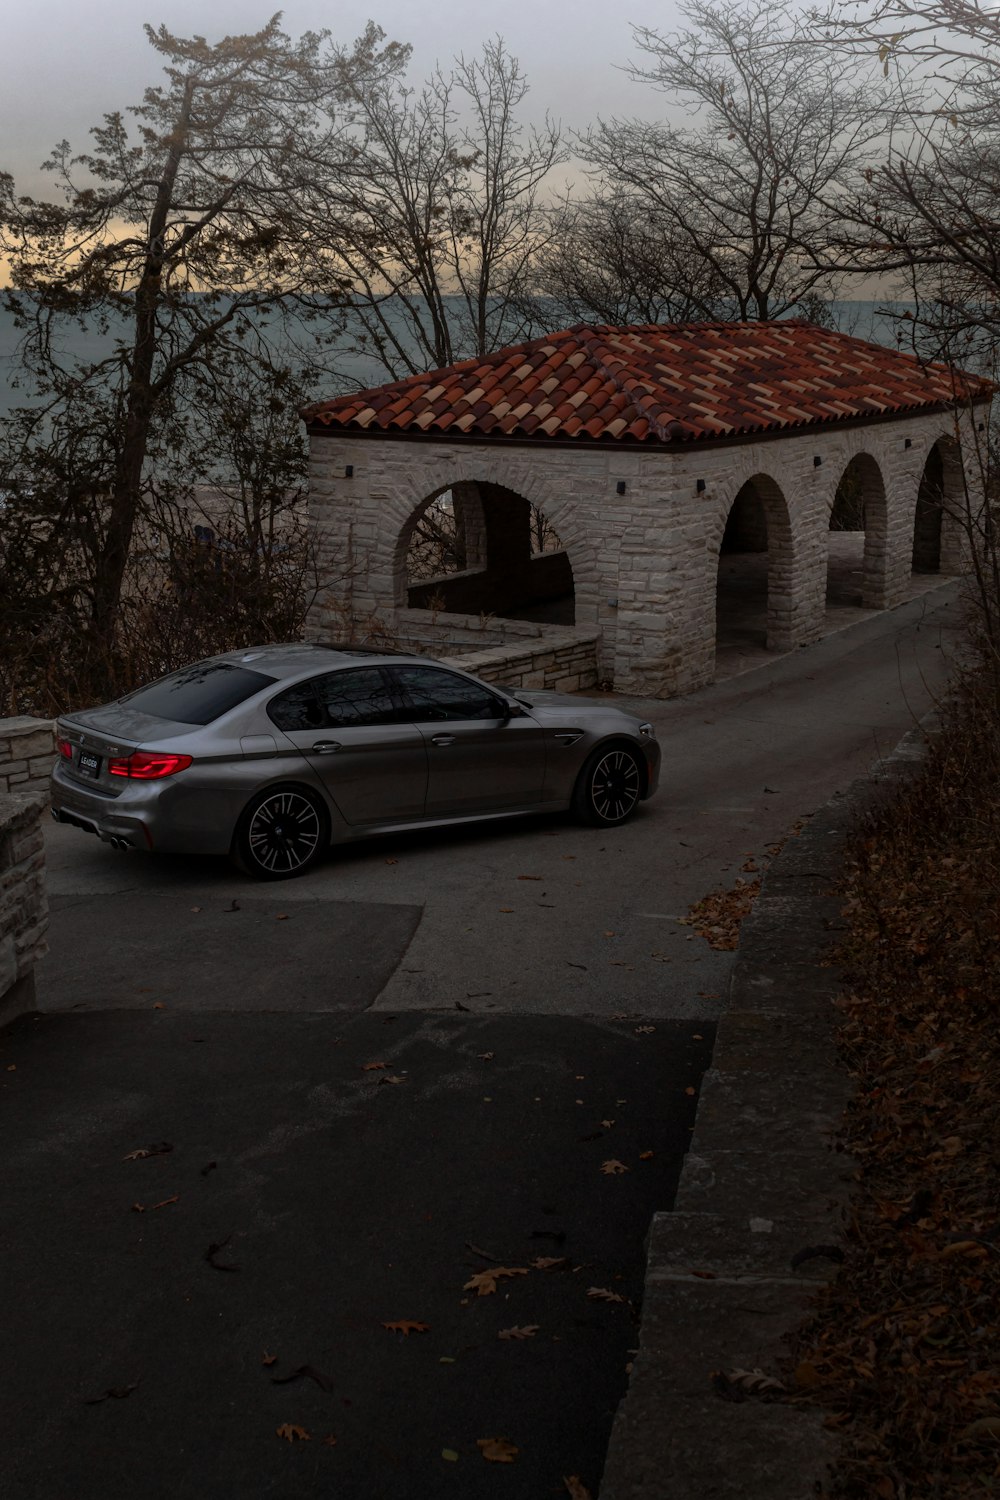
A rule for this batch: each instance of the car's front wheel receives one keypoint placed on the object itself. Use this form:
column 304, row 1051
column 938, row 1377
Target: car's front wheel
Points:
column 282, row 833
column 609, row 787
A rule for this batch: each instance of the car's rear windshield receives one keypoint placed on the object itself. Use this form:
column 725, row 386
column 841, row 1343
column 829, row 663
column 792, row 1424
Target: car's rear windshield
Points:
column 198, row 694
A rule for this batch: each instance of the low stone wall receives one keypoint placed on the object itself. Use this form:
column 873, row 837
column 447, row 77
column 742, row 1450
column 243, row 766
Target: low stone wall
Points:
column 564, row 660
column 27, row 750
column 23, row 904
column 438, row 631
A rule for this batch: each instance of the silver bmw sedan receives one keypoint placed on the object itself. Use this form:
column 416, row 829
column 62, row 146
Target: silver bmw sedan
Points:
column 273, row 754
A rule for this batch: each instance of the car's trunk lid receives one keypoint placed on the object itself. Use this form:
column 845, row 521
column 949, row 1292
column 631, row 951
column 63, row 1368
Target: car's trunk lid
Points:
column 111, row 732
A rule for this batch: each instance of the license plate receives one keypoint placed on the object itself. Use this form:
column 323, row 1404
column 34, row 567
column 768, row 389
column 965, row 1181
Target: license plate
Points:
column 89, row 764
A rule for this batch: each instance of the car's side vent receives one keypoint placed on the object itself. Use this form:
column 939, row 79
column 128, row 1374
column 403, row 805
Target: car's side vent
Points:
column 567, row 736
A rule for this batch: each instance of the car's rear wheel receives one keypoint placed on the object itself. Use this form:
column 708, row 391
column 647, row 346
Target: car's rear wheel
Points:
column 609, row 787
column 282, row 833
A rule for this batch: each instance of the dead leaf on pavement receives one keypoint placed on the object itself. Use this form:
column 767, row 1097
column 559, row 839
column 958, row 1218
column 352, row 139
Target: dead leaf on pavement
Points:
column 291, row 1432
column 529, row 877
column 141, row 1208
column 741, row 1385
column 373, row 1067
column 602, row 1294
column 282, row 916
column 486, row 1056
column 574, row 1488
column 497, row 1450
column 485, row 1282
column 329, row 1441
column 269, row 1359
column 607, row 1124
column 645, row 1155
column 449, row 1455
column 393, row 1078
column 644, row 1030
column 690, row 1092
column 310, row 1372
column 406, row 1326
column 213, row 1251
column 548, row 1262
column 115, row 1393
column 158, row 1149
column 611, row 1168
column 528, row 1331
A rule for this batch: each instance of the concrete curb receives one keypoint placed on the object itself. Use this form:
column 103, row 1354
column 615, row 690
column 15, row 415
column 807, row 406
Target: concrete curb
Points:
column 763, row 1182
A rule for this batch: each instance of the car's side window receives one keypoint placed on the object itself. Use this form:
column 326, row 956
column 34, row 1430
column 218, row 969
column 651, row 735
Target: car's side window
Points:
column 297, row 708
column 436, row 695
column 358, row 697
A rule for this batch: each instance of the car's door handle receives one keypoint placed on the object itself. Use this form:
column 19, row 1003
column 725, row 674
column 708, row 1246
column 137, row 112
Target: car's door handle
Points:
column 326, row 747
column 442, row 739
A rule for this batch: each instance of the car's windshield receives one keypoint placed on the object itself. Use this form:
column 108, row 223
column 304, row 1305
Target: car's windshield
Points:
column 198, row 694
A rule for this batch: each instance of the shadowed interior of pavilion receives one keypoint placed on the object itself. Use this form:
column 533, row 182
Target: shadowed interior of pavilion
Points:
column 480, row 549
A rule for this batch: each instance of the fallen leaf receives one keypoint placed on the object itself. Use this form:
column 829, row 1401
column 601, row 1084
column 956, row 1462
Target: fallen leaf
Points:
column 393, row 1078
column 159, row 1149
column 196, row 908
column 506, row 909
column 282, row 916
column 159, row 1005
column 291, row 1432
column 234, row 907
column 497, row 1450
column 983, row 1430
column 644, row 1030
column 645, row 1155
column 548, row 1262
column 529, row 877
column 406, row 1326
column 310, row 1372
column 141, row 1208
column 486, row 1056
column 213, row 1251
column 450, row 1455
column 740, row 1385
column 392, row 861
column 329, row 1441
column 690, row 1092
column 607, row 1124
column 373, row 1067
column 528, row 1331
column 602, row 1294
column 114, row 1393
column 611, row 1168
column 485, row 1282
column 269, row 1359
column 574, row 1488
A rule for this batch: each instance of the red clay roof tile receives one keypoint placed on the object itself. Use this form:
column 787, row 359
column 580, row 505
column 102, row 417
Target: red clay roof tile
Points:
column 655, row 384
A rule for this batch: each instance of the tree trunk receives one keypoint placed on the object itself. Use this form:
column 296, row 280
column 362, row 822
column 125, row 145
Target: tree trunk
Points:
column 127, row 489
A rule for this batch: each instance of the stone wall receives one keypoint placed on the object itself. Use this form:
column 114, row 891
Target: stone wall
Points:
column 562, row 660
column 27, row 752
column 644, row 561
column 23, row 904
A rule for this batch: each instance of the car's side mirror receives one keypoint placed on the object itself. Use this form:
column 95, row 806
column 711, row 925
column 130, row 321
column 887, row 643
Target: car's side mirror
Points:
column 511, row 710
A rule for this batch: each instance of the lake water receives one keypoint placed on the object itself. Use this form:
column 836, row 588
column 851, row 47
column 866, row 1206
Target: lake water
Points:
column 866, row 320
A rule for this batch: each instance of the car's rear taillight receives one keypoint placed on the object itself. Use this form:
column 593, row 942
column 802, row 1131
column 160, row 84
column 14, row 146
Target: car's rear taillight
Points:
column 148, row 765
column 65, row 749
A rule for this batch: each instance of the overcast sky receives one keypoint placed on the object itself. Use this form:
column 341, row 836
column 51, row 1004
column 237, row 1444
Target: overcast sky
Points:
column 66, row 64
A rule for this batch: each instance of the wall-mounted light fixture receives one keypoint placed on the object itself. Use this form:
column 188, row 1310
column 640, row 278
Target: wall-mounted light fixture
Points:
column 817, row 461
column 613, row 603
column 907, row 442
column 699, row 485
column 349, row 472
column 620, row 487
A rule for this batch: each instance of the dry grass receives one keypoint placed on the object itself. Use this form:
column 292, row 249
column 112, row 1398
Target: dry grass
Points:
column 904, row 1349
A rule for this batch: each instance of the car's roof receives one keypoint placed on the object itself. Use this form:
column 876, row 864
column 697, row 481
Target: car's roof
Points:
column 290, row 658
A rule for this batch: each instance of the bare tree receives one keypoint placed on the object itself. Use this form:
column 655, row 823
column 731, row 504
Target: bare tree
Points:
column 444, row 212
column 749, row 189
column 614, row 258
column 172, row 242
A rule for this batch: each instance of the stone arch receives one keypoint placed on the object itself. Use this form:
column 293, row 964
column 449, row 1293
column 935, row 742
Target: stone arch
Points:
column 755, row 579
column 858, row 536
column 937, row 528
column 510, row 560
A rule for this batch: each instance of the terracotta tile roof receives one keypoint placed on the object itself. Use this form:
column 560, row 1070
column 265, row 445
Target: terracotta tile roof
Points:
column 653, row 384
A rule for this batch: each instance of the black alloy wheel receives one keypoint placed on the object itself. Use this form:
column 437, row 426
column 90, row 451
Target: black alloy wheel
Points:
column 282, row 834
column 609, row 787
